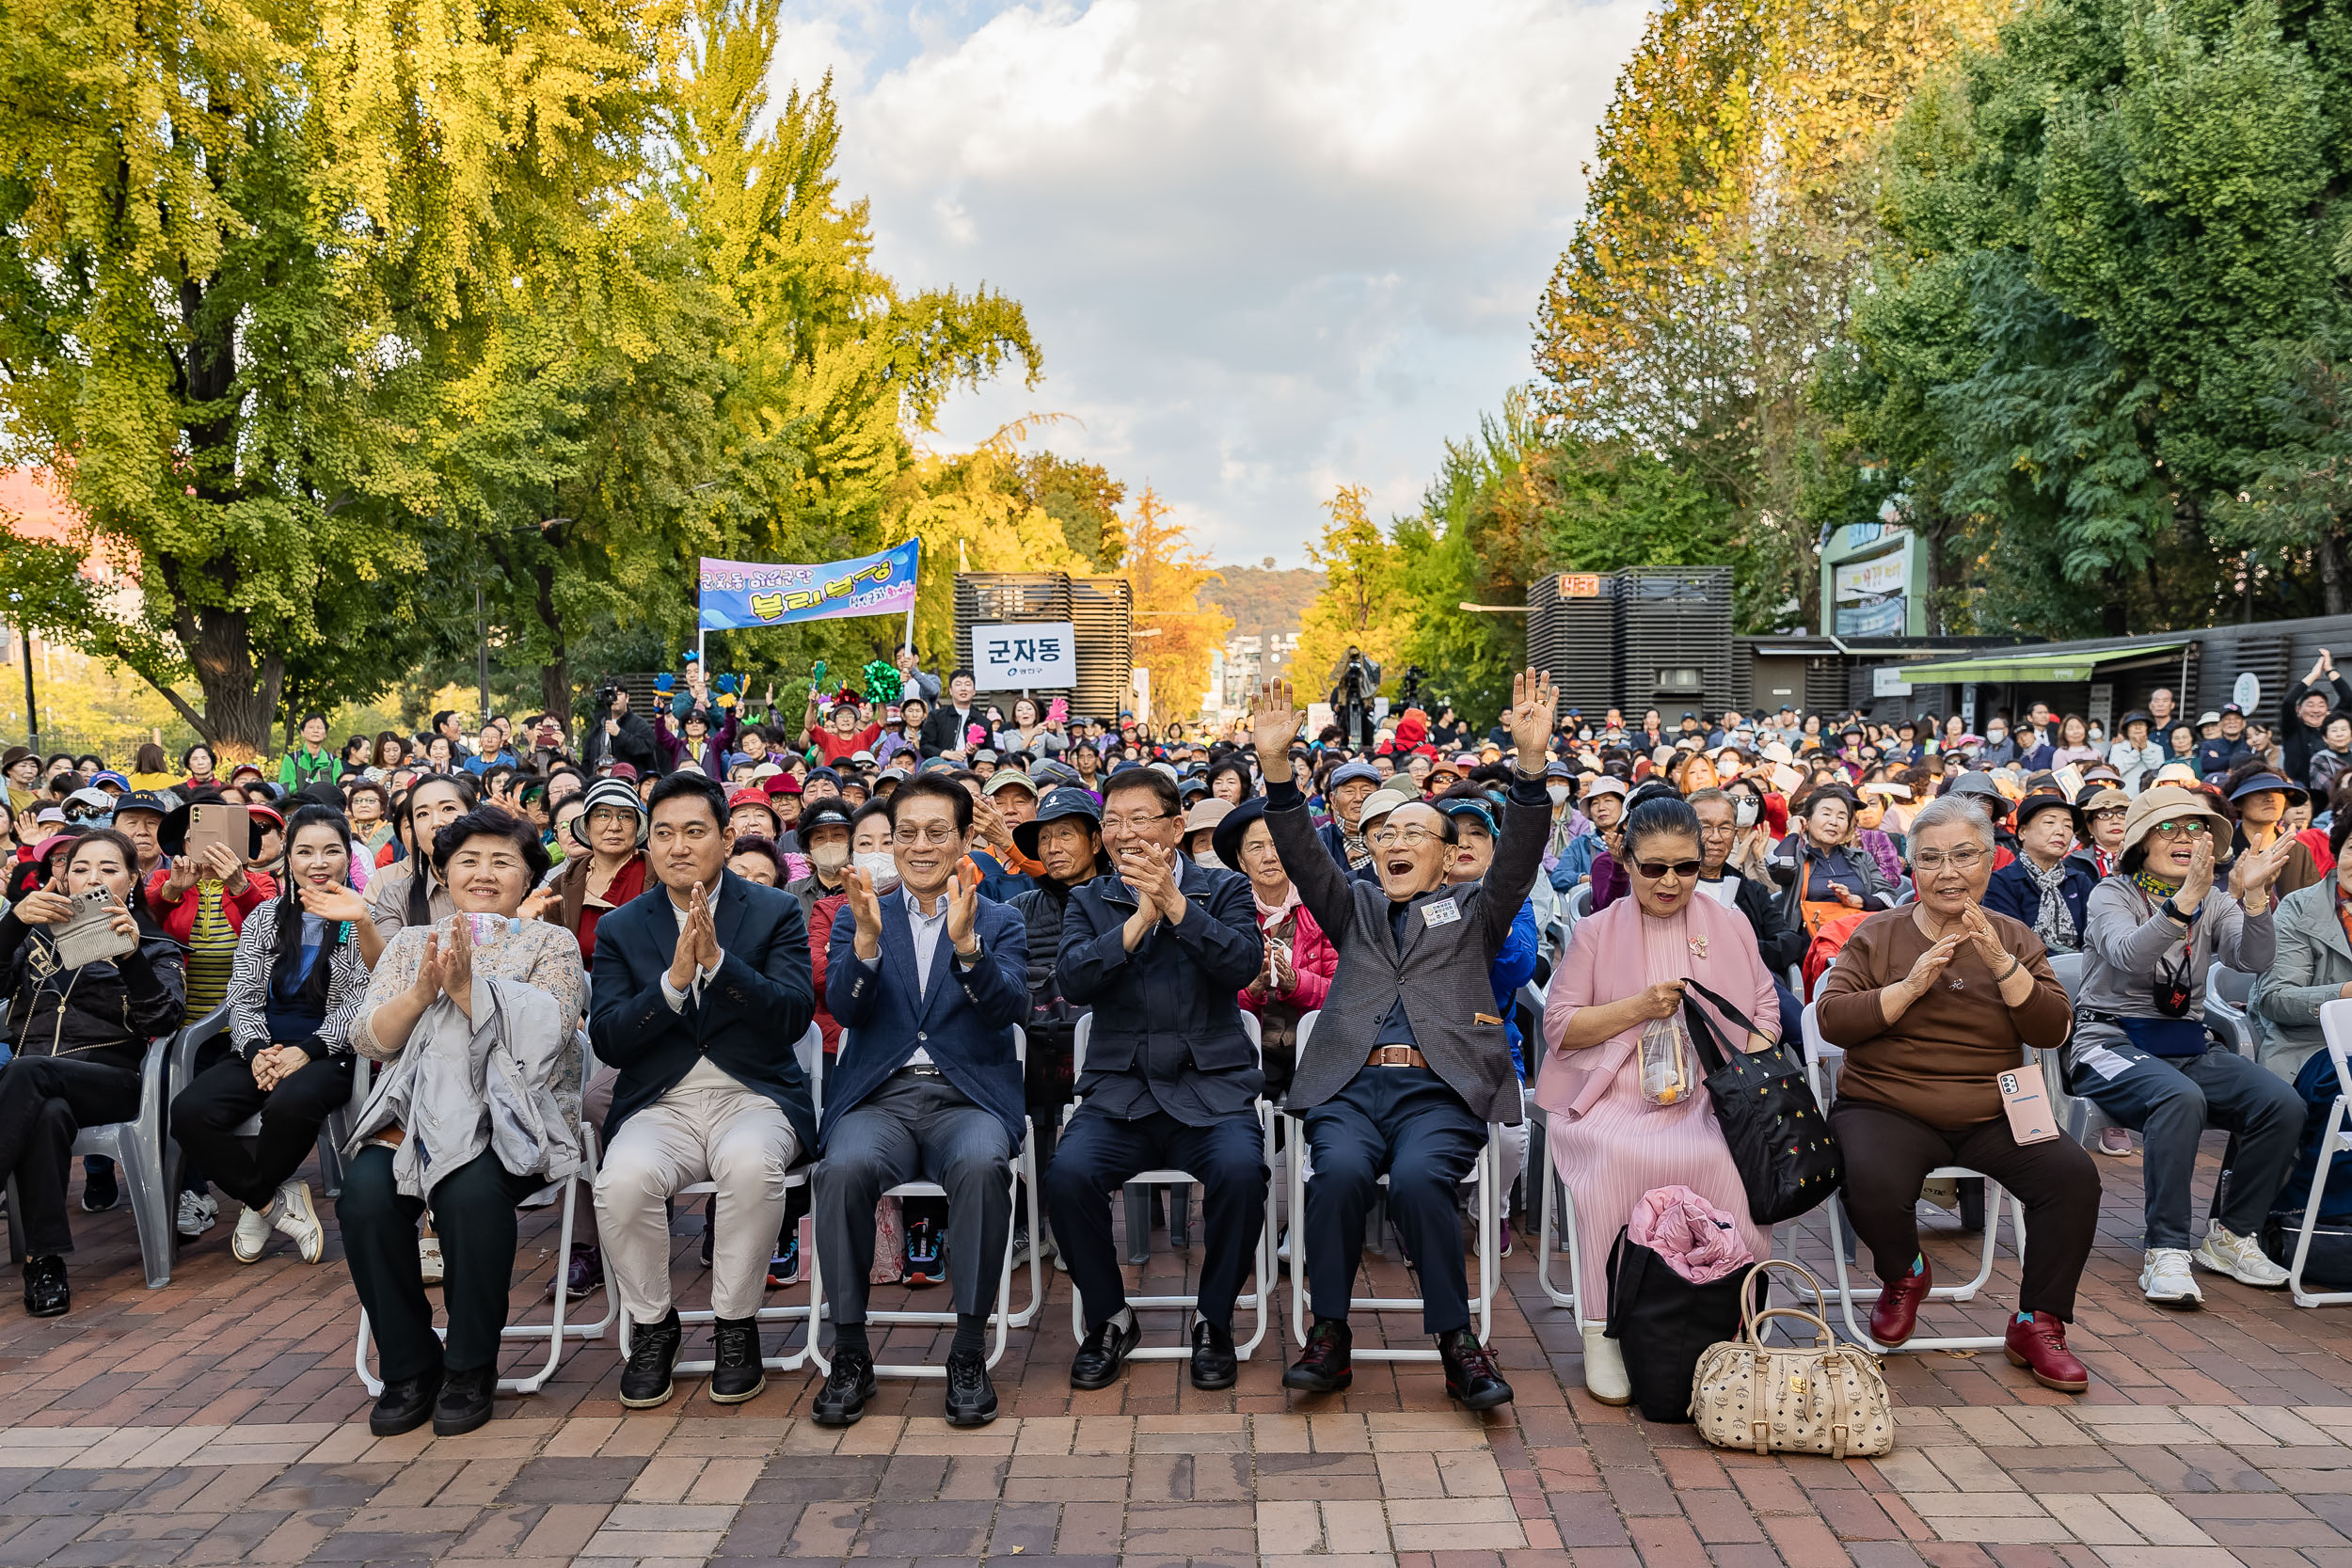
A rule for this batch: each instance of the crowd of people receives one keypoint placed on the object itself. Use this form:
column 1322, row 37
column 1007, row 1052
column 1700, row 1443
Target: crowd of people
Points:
column 595, row 956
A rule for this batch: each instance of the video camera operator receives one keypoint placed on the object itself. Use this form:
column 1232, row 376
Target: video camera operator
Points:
column 620, row 736
column 1356, row 685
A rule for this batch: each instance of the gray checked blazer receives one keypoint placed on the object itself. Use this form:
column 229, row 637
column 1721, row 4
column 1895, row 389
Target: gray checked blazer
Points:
column 1442, row 973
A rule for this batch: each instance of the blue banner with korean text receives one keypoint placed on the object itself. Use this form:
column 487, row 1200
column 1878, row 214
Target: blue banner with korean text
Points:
column 741, row 594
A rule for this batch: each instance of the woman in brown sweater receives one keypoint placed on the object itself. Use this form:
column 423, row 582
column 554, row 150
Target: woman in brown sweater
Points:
column 1933, row 1002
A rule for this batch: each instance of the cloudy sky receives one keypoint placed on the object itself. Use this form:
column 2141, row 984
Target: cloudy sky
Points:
column 1266, row 248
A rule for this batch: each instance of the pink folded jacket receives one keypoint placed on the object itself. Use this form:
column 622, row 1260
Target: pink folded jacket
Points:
column 1698, row 1241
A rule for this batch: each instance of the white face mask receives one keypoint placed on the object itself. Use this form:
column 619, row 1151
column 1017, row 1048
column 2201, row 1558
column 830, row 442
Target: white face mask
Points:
column 880, row 866
column 1558, row 792
column 831, row 858
column 1208, row 858
column 1749, row 808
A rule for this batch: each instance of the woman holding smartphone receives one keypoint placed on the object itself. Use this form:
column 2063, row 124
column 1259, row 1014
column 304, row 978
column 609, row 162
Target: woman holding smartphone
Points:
column 79, row 1031
column 299, row 976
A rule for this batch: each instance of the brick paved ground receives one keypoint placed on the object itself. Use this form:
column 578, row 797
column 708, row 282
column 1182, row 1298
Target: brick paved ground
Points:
column 217, row 1421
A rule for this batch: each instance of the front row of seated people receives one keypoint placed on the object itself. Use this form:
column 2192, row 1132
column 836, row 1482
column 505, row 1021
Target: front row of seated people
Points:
column 704, row 990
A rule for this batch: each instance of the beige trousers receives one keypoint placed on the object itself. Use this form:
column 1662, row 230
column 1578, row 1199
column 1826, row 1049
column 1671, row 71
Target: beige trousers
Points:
column 722, row 1133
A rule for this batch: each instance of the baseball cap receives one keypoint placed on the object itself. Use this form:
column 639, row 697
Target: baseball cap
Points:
column 1008, row 778
column 142, row 799
column 1347, row 770
column 1382, row 802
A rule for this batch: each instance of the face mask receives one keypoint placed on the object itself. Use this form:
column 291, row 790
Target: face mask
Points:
column 1997, row 734
column 1558, row 792
column 880, row 866
column 1208, row 858
column 1749, row 809
column 831, row 858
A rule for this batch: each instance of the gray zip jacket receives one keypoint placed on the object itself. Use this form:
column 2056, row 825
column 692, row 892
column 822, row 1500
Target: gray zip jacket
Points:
column 2127, row 935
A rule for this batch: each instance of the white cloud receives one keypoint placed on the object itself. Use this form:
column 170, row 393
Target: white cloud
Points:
column 1266, row 248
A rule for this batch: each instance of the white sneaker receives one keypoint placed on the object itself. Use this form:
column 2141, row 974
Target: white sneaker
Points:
column 2241, row 1258
column 292, row 1213
column 252, row 1235
column 429, row 1259
column 1604, row 1368
column 198, row 1212
column 2116, row 1141
column 2165, row 1279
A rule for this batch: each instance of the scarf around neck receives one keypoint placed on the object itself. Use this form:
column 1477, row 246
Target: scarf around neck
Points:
column 2054, row 923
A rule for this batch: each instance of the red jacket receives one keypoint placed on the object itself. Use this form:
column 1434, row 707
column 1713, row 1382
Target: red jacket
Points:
column 179, row 919
column 819, row 943
column 1313, row 959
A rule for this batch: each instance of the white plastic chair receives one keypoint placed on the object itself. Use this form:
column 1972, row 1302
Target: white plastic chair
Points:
column 1021, row 1172
column 810, row 1049
column 143, row 1151
column 1820, row 1061
column 1261, row 1257
column 1579, row 904
column 2227, row 991
column 2335, row 1026
column 1487, row 1172
column 555, row 1331
column 2077, row 1114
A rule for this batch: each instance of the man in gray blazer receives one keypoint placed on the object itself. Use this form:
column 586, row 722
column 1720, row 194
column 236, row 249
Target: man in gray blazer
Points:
column 1407, row 1064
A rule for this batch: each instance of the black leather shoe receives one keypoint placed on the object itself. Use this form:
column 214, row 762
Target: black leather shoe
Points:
column 405, row 1405
column 464, row 1401
column 1470, row 1372
column 736, row 1372
column 848, row 1387
column 46, row 1294
column 971, row 1398
column 1214, row 1364
column 652, row 1351
column 1323, row 1367
column 1097, row 1363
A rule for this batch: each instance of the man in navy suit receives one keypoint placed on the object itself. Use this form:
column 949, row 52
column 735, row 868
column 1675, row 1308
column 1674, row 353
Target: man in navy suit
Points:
column 1161, row 948
column 928, row 983
column 702, row 989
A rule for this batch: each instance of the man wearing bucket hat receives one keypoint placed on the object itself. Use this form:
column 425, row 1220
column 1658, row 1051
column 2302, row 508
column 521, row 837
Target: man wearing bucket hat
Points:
column 2140, row 1049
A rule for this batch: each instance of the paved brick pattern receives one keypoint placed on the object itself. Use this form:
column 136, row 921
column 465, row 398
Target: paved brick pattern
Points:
column 217, row 1421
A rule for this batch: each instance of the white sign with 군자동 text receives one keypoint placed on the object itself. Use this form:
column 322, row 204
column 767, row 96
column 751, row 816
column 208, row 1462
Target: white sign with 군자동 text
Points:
column 1008, row 657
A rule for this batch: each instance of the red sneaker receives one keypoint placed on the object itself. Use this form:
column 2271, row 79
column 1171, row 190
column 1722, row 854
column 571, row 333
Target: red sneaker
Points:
column 1898, row 1310
column 2037, row 1343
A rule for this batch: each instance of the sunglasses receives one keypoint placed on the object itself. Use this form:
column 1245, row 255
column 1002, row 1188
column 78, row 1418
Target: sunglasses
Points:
column 1652, row 870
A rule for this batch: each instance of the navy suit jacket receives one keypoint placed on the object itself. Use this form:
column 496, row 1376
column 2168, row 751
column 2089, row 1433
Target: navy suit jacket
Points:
column 751, row 1014
column 964, row 1021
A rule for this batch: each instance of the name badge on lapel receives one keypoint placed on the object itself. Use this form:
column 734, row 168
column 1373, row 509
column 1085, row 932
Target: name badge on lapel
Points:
column 1444, row 913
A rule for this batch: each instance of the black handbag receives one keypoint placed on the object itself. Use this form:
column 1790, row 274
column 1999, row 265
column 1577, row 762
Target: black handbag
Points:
column 1778, row 1137
column 1664, row 1323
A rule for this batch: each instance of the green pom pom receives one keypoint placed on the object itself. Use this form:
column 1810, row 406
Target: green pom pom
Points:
column 881, row 682
column 816, row 676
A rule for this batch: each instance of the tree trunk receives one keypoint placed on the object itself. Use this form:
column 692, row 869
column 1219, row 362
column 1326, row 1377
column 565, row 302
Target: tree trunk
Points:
column 555, row 676
column 2331, row 569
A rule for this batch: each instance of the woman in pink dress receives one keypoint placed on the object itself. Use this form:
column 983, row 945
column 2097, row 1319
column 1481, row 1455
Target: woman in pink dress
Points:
column 1624, row 967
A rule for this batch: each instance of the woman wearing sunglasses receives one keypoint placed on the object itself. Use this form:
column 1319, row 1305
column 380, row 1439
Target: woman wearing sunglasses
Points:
column 1610, row 1141
column 2141, row 1051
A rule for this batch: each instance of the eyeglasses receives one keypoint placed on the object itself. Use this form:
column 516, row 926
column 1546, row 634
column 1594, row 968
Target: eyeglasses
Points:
column 1652, row 870
column 2110, row 813
column 933, row 835
column 1134, row 824
column 1401, row 838
column 2193, row 827
column 1963, row 860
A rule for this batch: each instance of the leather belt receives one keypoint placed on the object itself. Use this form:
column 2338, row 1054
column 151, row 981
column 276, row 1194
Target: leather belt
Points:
column 1395, row 1056
column 922, row 1069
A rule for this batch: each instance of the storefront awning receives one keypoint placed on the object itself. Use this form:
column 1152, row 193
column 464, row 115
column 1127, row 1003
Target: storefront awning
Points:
column 2056, row 665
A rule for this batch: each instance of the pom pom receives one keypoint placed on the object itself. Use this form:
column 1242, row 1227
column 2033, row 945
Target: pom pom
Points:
column 1057, row 711
column 730, row 684
column 882, row 681
column 975, row 735
column 662, row 683
column 816, row 676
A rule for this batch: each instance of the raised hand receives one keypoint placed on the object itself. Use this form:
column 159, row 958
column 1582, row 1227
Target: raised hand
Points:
column 1535, row 700
column 118, row 919
column 963, row 902
column 46, row 907
column 866, row 909
column 1975, row 925
column 333, row 901
column 426, row 988
column 1930, row 963
column 1274, row 720
column 457, row 964
column 2198, row 881
column 2256, row 869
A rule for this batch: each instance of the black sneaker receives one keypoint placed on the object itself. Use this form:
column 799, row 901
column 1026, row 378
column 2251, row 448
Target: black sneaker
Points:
column 1214, row 1364
column 1470, row 1372
column 842, row 1401
column 100, row 1192
column 405, row 1405
column 583, row 1275
column 926, row 1254
column 736, row 1372
column 1097, row 1363
column 652, row 1353
column 46, row 1294
column 1323, row 1368
column 785, row 1267
column 464, row 1401
column 971, row 1398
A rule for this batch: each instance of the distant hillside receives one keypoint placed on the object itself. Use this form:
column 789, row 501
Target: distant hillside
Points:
column 1262, row 601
